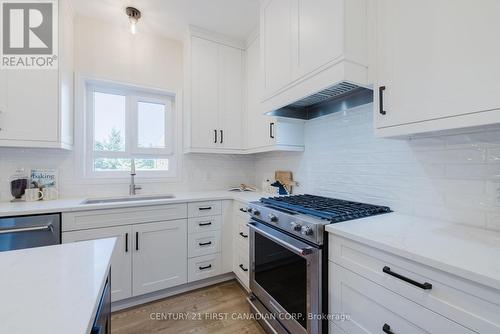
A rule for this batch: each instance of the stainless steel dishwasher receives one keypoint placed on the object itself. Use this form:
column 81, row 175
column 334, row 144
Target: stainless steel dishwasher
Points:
column 29, row 231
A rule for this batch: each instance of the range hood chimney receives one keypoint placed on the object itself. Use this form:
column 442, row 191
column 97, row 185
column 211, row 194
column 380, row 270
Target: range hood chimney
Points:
column 339, row 97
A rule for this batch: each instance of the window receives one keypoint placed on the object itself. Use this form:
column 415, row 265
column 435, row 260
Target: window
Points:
column 124, row 125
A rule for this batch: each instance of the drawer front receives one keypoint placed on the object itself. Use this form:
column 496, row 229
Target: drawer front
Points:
column 82, row 220
column 204, row 243
column 241, row 267
column 204, row 267
column 240, row 209
column 372, row 308
column 204, row 224
column 465, row 302
column 203, row 209
column 242, row 234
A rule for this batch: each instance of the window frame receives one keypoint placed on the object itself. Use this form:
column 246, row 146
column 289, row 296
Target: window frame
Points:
column 132, row 95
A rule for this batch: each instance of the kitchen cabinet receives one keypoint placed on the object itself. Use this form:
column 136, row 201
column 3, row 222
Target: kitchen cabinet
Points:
column 36, row 107
column 437, row 68
column 292, row 32
column 214, row 102
column 160, row 255
column 263, row 132
column 121, row 261
column 376, row 287
column 241, row 252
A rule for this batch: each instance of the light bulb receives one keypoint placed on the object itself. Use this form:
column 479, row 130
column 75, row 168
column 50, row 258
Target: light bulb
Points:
column 133, row 25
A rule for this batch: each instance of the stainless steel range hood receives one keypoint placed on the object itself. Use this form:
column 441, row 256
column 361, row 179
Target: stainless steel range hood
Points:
column 339, row 97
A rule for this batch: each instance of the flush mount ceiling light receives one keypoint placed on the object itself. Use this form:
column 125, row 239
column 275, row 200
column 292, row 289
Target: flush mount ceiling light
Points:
column 133, row 15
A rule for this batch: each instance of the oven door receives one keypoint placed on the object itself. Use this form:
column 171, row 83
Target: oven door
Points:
column 285, row 276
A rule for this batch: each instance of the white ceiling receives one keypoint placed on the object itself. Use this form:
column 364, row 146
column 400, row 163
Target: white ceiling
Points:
column 234, row 18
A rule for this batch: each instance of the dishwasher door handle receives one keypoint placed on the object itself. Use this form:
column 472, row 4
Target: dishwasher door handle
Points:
column 47, row 227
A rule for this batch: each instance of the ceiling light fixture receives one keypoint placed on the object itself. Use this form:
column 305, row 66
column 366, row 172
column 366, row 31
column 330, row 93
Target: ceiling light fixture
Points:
column 133, row 15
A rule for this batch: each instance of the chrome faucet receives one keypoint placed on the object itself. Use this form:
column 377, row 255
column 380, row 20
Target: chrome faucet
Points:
column 133, row 188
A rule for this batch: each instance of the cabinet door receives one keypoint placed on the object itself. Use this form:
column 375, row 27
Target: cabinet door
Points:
column 160, row 255
column 121, row 262
column 320, row 26
column 258, row 124
column 32, row 110
column 230, row 97
column 204, row 93
column 276, row 44
column 436, row 59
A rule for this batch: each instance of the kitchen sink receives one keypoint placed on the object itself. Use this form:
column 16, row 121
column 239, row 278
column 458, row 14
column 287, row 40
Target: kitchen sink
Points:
column 126, row 199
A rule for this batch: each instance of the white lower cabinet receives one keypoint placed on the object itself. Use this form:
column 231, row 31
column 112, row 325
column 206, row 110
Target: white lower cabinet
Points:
column 374, row 309
column 160, row 255
column 204, row 267
column 376, row 289
column 241, row 255
column 204, row 243
column 121, row 262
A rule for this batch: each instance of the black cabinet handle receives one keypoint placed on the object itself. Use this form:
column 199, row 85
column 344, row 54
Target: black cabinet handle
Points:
column 243, row 210
column 243, row 268
column 271, row 130
column 215, row 137
column 126, row 242
column 205, row 243
column 381, row 100
column 205, row 208
column 221, row 136
column 206, row 267
column 205, row 224
column 425, row 286
column 136, row 241
column 387, row 329
column 243, row 235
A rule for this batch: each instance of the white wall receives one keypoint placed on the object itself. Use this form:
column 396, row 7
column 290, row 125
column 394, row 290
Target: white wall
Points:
column 454, row 178
column 110, row 52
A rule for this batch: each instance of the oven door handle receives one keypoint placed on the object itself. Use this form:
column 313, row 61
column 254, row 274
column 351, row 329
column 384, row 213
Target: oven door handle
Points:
column 302, row 251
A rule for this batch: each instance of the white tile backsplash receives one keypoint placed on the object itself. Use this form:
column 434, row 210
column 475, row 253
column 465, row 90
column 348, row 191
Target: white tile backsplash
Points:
column 454, row 177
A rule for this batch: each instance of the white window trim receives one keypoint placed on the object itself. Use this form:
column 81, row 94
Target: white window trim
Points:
column 133, row 94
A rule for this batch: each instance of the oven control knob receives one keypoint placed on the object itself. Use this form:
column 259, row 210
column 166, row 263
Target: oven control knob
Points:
column 273, row 218
column 249, row 210
column 307, row 230
column 296, row 227
column 256, row 212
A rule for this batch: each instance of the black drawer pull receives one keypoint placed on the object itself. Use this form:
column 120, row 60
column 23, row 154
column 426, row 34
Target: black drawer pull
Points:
column 126, row 242
column 205, row 208
column 206, row 267
column 387, row 329
column 136, row 241
column 243, row 210
column 425, row 286
column 244, row 235
column 381, row 100
column 205, row 224
column 271, row 130
column 215, row 137
column 205, row 243
column 243, row 268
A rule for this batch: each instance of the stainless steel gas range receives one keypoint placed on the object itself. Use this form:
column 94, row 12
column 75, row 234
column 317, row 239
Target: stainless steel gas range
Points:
column 288, row 259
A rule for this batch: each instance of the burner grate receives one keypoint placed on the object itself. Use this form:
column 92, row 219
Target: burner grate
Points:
column 332, row 209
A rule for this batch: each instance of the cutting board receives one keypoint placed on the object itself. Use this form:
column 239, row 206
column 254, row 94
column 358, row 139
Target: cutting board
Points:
column 286, row 178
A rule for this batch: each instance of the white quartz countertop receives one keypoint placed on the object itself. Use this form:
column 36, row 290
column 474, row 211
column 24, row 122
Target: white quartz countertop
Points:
column 467, row 252
column 8, row 209
column 53, row 289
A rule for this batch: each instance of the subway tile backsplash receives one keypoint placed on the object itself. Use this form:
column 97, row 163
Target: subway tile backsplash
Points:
column 454, row 177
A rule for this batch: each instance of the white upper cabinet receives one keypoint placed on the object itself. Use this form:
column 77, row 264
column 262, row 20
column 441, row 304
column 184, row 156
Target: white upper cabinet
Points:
column 214, row 96
column 36, row 106
column 310, row 45
column 276, row 30
column 266, row 133
column 438, row 62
